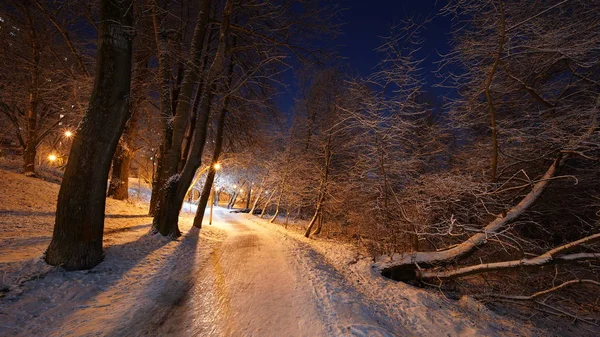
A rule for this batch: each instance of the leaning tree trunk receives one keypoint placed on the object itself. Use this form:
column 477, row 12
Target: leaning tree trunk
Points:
column 212, row 171
column 78, row 229
column 262, row 213
column 322, row 189
column 257, row 197
column 174, row 191
column 279, row 199
column 118, row 187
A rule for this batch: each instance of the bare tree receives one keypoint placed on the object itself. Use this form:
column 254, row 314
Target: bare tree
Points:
column 78, row 230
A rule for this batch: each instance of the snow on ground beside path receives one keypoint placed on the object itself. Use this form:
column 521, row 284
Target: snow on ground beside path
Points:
column 336, row 270
column 240, row 277
column 139, row 271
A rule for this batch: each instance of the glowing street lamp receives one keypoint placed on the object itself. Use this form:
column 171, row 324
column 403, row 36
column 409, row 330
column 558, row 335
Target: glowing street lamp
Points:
column 217, row 166
column 52, row 157
column 68, row 134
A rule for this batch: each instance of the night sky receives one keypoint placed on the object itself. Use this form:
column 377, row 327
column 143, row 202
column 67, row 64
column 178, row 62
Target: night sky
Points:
column 365, row 22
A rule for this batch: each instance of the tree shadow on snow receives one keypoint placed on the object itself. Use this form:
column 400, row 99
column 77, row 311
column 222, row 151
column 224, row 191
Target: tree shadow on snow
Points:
column 165, row 292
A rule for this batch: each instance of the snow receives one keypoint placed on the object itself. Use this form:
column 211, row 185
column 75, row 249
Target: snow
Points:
column 242, row 276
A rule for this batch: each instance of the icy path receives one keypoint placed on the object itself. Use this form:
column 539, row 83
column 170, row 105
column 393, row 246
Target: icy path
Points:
column 254, row 284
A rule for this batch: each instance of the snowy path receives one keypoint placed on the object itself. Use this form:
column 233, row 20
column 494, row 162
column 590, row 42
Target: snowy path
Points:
column 255, row 285
column 239, row 277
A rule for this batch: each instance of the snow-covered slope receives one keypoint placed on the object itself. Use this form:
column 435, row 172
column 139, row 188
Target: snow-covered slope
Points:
column 138, row 270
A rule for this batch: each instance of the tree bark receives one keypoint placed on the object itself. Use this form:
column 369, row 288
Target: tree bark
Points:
column 118, row 187
column 257, row 197
column 279, row 197
column 248, row 196
column 556, row 255
column 262, row 213
column 31, row 140
column 172, row 196
column 322, row 189
column 78, row 229
column 488, row 95
column 166, row 111
column 210, row 177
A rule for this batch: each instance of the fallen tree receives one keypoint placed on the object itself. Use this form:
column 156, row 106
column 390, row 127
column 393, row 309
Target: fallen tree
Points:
column 421, row 265
column 413, row 260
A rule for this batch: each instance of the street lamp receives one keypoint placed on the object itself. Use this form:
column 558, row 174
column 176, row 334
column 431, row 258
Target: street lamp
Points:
column 217, row 166
column 52, row 157
column 68, row 134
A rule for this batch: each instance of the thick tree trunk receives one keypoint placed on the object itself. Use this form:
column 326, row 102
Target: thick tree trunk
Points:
column 166, row 111
column 171, row 198
column 78, row 229
column 118, row 187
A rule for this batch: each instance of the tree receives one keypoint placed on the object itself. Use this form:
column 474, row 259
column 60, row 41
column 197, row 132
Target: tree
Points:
column 42, row 87
column 533, row 69
column 78, row 229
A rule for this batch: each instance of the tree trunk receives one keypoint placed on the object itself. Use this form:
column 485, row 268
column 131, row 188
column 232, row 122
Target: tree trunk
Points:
column 118, row 187
column 279, row 199
column 249, row 196
column 212, row 171
column 78, row 229
column 171, row 198
column 119, row 181
column 29, row 154
column 166, row 111
column 31, row 142
column 262, row 213
column 556, row 255
column 322, row 189
column 257, row 197
column 488, row 95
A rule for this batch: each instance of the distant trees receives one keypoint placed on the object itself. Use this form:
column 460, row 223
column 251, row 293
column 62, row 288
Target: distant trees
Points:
column 44, row 78
column 78, row 229
column 505, row 177
column 239, row 34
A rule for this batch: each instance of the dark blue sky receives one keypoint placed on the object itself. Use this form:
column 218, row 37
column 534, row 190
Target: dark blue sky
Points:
column 366, row 22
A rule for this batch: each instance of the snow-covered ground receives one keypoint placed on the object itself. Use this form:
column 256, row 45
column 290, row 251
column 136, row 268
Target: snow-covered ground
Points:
column 242, row 276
